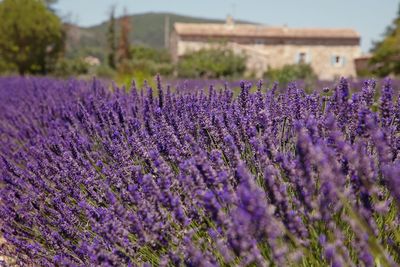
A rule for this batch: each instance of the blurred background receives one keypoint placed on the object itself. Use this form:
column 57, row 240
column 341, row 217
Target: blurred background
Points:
column 136, row 39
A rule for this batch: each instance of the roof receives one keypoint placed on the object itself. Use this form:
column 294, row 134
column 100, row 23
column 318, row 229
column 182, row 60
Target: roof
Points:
column 251, row 30
column 364, row 56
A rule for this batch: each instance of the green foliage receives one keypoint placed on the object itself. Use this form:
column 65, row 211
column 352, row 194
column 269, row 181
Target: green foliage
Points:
column 386, row 58
column 151, row 54
column 147, row 61
column 290, row 73
column 211, row 64
column 70, row 67
column 140, row 77
column 50, row 2
column 105, row 71
column 146, row 66
column 31, row 36
column 7, row 68
column 87, row 51
column 364, row 73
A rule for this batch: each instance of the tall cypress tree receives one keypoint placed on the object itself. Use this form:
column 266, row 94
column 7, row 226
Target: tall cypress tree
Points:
column 111, row 39
column 124, row 44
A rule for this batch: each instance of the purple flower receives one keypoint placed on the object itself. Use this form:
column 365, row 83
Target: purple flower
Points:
column 193, row 177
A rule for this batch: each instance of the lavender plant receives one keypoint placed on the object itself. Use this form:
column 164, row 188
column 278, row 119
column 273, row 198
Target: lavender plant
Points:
column 146, row 177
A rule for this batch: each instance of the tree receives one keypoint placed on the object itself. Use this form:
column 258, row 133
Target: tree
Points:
column 124, row 45
column 140, row 52
column 386, row 53
column 212, row 64
column 111, row 39
column 49, row 4
column 289, row 73
column 31, row 36
column 147, row 60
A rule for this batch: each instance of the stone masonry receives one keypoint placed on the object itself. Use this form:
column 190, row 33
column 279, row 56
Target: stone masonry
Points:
column 330, row 52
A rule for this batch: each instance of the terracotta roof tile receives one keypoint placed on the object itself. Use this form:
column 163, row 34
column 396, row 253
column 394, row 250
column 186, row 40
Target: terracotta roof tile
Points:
column 250, row 30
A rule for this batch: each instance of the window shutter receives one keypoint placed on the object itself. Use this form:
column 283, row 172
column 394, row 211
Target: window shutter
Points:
column 343, row 61
column 333, row 60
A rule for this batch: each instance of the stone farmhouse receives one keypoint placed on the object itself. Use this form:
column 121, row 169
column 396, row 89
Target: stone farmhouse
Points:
column 330, row 52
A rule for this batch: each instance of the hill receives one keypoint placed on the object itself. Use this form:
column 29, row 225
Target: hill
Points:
column 146, row 29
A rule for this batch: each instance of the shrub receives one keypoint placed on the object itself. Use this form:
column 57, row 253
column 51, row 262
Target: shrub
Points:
column 149, row 67
column 7, row 68
column 211, row 64
column 105, row 71
column 70, row 67
column 291, row 73
column 148, row 61
column 150, row 54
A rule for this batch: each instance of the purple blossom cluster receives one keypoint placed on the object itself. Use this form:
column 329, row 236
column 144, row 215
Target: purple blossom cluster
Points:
column 146, row 177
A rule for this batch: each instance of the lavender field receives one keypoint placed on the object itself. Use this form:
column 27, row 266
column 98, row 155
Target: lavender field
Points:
column 163, row 177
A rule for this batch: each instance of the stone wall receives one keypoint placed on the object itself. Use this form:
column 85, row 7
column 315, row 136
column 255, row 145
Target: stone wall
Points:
column 261, row 56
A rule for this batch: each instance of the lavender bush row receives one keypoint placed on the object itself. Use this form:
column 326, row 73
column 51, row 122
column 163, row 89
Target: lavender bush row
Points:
column 188, row 85
column 94, row 177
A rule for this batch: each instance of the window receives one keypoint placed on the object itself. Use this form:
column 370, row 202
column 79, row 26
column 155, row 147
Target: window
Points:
column 303, row 58
column 338, row 61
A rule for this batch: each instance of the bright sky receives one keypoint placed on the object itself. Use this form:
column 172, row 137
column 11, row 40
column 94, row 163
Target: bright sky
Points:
column 368, row 17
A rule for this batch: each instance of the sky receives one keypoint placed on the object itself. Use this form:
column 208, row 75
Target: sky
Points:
column 368, row 17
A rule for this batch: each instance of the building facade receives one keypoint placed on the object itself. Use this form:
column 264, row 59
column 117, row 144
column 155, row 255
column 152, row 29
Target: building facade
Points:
column 330, row 52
